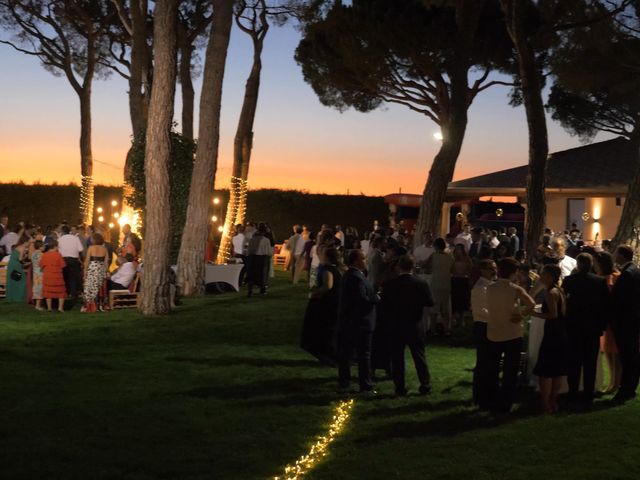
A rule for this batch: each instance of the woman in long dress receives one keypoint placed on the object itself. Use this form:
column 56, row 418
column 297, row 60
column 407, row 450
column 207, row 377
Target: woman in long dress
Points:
column 95, row 273
column 37, row 273
column 53, row 286
column 605, row 267
column 460, row 283
column 16, row 273
column 440, row 265
column 321, row 317
column 553, row 355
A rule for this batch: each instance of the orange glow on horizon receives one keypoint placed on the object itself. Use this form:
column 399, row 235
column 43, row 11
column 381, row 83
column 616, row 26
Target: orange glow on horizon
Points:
column 280, row 170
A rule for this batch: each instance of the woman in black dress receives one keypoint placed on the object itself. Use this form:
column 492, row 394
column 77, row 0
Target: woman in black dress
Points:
column 553, row 358
column 321, row 318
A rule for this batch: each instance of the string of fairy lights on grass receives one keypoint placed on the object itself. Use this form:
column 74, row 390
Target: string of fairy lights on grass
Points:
column 236, row 211
column 319, row 449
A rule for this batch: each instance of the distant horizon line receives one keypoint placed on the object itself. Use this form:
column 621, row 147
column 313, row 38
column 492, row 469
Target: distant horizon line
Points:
column 295, row 190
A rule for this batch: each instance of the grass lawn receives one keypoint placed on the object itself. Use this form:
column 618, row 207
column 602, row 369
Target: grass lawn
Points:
column 220, row 390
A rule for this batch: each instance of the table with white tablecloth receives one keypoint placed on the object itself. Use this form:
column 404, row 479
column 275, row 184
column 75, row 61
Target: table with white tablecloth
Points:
column 226, row 273
column 536, row 332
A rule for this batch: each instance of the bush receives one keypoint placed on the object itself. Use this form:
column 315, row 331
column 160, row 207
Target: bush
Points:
column 180, row 170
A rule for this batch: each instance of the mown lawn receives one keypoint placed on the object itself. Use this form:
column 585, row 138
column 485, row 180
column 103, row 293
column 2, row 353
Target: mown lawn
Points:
column 220, row 390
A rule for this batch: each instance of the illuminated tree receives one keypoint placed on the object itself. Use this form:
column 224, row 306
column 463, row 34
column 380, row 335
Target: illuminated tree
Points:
column 68, row 37
column 252, row 17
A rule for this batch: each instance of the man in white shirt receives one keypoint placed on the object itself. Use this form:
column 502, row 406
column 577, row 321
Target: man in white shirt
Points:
column 422, row 253
column 507, row 305
column 237, row 242
column 71, row 249
column 464, row 237
column 566, row 263
column 298, row 259
column 10, row 239
column 124, row 275
column 480, row 313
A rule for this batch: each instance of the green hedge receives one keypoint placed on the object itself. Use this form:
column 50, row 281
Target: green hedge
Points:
column 50, row 204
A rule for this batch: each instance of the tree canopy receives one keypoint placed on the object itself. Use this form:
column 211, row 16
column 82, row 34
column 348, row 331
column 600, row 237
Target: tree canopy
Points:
column 401, row 51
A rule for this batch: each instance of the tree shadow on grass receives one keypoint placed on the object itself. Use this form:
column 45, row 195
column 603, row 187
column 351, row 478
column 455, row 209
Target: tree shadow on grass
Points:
column 448, row 425
column 280, row 391
column 230, row 361
column 460, row 384
column 416, row 407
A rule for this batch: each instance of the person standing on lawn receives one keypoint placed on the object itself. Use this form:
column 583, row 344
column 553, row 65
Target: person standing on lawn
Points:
column 356, row 322
column 405, row 298
column 587, row 301
column 480, row 313
column 625, row 297
column 507, row 305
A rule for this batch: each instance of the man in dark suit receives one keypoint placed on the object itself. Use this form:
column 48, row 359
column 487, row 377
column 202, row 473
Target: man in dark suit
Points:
column 405, row 298
column 625, row 297
column 476, row 242
column 587, row 302
column 356, row 322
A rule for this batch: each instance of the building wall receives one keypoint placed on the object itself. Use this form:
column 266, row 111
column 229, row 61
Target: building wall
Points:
column 603, row 209
column 607, row 214
column 557, row 213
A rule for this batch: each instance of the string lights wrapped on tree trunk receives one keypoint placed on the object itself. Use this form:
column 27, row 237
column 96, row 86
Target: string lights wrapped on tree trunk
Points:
column 236, row 213
column 86, row 199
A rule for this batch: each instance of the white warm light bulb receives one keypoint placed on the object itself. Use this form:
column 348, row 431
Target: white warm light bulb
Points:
column 214, row 219
column 101, row 218
column 114, row 203
column 216, row 201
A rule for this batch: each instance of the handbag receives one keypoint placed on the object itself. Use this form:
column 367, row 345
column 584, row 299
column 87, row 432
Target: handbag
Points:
column 16, row 275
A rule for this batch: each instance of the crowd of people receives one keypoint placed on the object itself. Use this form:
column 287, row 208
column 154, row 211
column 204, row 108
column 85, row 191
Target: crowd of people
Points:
column 66, row 263
column 372, row 299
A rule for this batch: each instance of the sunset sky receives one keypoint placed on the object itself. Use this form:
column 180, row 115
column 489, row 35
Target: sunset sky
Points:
column 299, row 143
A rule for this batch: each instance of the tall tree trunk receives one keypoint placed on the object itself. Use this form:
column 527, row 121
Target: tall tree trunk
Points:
column 453, row 127
column 86, row 156
column 242, row 147
column 186, row 84
column 531, row 85
column 139, row 70
column 630, row 219
column 190, row 278
column 155, row 279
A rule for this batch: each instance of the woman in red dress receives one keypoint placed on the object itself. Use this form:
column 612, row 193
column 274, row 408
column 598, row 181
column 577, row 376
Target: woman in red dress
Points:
column 52, row 264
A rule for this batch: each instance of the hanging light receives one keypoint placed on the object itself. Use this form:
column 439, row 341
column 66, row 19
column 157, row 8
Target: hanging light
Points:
column 216, row 201
column 114, row 203
column 214, row 219
column 101, row 219
column 116, row 215
column 111, row 225
column 220, row 228
column 99, row 209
